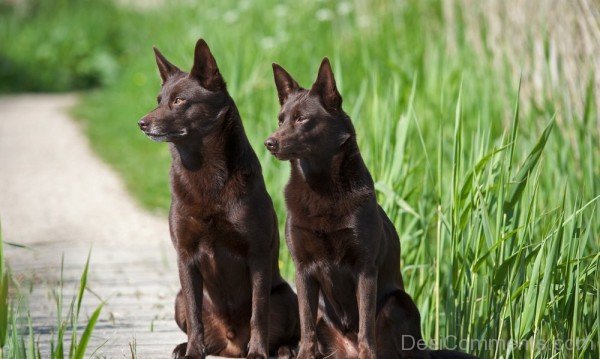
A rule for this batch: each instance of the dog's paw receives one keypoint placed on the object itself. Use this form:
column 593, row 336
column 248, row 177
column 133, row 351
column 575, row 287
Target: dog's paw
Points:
column 286, row 352
column 257, row 350
column 366, row 351
column 179, row 351
column 256, row 355
column 306, row 355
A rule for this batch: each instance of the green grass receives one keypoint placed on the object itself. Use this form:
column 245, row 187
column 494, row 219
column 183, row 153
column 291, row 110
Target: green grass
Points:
column 495, row 200
column 17, row 330
column 43, row 47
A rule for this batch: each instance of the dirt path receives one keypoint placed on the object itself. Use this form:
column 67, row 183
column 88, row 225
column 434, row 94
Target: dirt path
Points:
column 57, row 198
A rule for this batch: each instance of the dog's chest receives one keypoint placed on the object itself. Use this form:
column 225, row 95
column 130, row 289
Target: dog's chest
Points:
column 333, row 259
column 219, row 249
column 209, row 231
column 324, row 249
column 335, row 265
column 308, row 209
column 223, row 266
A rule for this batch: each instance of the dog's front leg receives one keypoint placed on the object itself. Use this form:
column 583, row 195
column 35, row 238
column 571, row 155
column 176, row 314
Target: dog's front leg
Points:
column 367, row 302
column 308, row 302
column 192, row 287
column 259, row 321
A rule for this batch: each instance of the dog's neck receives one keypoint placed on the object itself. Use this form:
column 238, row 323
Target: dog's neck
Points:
column 333, row 173
column 224, row 149
column 190, row 157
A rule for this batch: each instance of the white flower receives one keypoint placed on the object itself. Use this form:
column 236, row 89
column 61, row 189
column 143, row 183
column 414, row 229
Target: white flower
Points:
column 245, row 4
column 267, row 42
column 230, row 16
column 344, row 8
column 364, row 21
column 324, row 15
column 281, row 10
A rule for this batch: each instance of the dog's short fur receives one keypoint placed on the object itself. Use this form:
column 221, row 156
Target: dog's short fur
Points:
column 343, row 244
column 222, row 221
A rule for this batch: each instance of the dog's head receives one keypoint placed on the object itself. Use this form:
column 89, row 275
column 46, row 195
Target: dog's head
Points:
column 189, row 104
column 311, row 122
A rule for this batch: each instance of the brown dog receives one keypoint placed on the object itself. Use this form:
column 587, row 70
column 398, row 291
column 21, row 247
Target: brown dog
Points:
column 222, row 221
column 343, row 244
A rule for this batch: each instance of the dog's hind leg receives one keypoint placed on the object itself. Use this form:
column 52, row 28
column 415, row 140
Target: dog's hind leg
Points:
column 284, row 323
column 333, row 344
column 180, row 312
column 399, row 331
column 398, row 328
column 214, row 336
column 179, row 351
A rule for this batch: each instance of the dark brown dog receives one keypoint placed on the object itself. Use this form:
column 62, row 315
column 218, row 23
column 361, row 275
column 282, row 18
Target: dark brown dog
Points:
column 222, row 221
column 343, row 244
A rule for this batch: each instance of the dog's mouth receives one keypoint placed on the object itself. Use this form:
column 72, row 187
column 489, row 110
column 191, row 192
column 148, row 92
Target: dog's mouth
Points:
column 285, row 155
column 166, row 136
column 288, row 152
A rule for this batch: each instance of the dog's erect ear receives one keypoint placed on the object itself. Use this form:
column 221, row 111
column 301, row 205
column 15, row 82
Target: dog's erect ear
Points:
column 284, row 82
column 205, row 68
column 165, row 68
column 325, row 87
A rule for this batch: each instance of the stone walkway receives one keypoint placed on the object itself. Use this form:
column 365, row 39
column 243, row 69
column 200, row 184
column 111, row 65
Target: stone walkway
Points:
column 58, row 199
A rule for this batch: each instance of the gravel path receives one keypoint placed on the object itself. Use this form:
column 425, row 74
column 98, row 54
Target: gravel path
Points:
column 58, row 199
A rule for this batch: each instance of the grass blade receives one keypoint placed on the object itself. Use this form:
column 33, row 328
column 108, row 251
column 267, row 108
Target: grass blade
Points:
column 522, row 176
column 83, row 283
column 4, row 305
column 87, row 333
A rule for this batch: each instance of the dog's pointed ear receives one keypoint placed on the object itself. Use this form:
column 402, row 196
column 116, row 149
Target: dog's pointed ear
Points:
column 165, row 68
column 284, row 82
column 325, row 87
column 205, row 68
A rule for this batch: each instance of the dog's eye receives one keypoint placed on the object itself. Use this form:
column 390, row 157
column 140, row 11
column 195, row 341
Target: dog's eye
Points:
column 301, row 119
column 178, row 101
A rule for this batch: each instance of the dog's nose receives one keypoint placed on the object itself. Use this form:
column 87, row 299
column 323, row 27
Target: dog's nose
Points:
column 271, row 144
column 143, row 124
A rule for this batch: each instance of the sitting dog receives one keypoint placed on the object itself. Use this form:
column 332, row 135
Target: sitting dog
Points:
column 233, row 301
column 344, row 246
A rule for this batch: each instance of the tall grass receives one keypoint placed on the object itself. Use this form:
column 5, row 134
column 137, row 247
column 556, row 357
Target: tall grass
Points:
column 496, row 203
column 17, row 330
column 5, row 309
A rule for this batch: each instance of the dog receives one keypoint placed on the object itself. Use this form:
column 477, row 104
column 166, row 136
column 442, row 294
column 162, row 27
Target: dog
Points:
column 345, row 248
column 233, row 301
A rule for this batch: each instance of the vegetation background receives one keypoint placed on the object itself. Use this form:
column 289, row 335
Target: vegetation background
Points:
column 478, row 120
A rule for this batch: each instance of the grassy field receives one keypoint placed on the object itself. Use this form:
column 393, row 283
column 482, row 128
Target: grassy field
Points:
column 495, row 198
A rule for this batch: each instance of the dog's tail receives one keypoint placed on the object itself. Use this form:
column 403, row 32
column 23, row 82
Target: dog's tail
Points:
column 449, row 354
